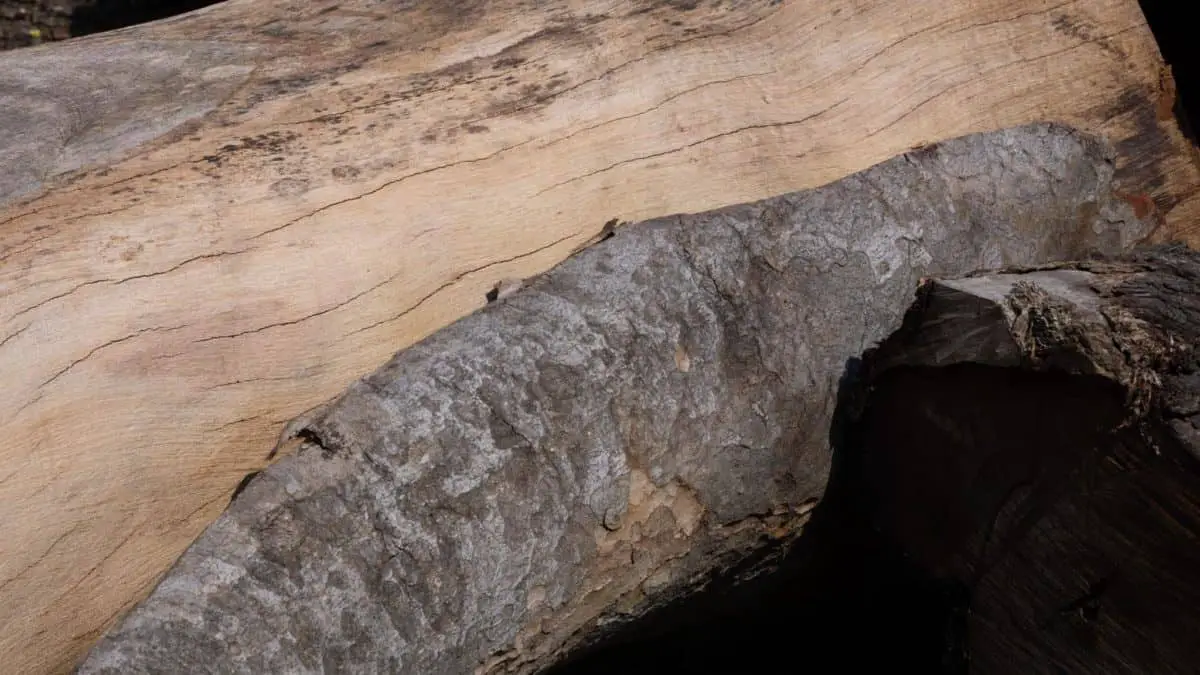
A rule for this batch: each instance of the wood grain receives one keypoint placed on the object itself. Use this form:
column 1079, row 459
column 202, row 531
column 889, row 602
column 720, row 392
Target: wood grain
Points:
column 229, row 216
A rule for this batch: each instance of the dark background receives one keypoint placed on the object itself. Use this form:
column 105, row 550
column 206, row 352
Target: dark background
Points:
column 1177, row 37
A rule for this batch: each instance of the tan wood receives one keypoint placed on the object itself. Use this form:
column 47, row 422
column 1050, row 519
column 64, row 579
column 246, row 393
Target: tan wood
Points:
column 213, row 223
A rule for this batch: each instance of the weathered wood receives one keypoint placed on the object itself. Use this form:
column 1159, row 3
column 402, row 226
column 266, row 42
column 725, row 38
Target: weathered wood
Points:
column 1033, row 436
column 215, row 222
column 592, row 446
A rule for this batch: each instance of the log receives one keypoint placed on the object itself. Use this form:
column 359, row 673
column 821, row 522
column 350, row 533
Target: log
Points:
column 212, row 223
column 651, row 412
column 1012, row 490
column 1032, row 436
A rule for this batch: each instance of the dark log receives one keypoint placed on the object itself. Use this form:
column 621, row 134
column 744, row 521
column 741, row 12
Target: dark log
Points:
column 1032, row 435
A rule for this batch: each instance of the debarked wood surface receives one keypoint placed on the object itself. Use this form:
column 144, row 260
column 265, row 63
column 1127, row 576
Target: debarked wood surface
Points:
column 211, row 223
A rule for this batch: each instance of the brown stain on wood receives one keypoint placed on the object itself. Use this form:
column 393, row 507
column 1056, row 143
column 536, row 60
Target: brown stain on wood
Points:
column 1155, row 151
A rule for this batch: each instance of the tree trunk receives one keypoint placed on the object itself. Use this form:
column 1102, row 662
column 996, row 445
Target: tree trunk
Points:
column 1033, row 435
column 212, row 223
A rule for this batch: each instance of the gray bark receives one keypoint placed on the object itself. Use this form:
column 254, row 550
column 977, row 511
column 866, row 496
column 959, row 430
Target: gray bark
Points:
column 88, row 104
column 600, row 442
column 1033, row 435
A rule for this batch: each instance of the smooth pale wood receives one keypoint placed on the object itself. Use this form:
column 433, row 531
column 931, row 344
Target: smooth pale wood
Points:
column 348, row 177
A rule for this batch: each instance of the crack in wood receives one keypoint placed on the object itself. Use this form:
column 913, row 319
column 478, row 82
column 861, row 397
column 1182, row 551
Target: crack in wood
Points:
column 387, row 184
column 110, row 343
column 457, row 279
column 687, row 146
column 991, row 71
column 117, row 282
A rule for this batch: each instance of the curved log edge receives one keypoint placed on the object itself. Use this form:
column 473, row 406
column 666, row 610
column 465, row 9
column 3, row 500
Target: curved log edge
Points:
column 329, row 182
column 595, row 444
column 1064, row 501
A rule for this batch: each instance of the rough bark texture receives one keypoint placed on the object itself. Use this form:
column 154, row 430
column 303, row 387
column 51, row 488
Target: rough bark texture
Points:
column 1033, row 435
column 595, row 445
column 213, row 222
